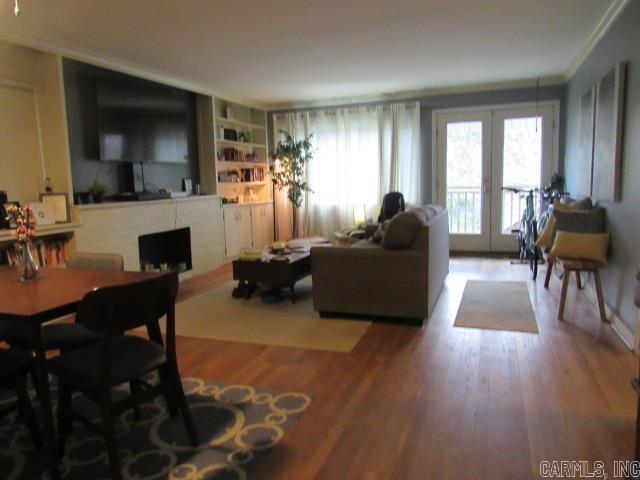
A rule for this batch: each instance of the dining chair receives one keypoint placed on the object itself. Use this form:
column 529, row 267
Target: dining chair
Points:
column 65, row 336
column 14, row 367
column 119, row 358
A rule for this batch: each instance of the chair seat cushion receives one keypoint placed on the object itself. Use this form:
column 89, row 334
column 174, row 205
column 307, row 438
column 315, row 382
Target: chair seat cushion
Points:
column 14, row 360
column 67, row 335
column 57, row 336
column 132, row 357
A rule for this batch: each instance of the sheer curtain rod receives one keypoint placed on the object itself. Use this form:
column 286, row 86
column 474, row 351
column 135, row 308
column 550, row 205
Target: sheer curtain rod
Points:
column 333, row 111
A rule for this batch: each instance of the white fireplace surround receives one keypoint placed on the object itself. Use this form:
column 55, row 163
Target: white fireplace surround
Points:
column 115, row 228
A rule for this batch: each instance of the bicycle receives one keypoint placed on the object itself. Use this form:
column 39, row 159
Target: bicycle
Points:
column 527, row 233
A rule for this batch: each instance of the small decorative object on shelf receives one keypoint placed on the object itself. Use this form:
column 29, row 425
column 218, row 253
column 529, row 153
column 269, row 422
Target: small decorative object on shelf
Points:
column 97, row 191
column 25, row 229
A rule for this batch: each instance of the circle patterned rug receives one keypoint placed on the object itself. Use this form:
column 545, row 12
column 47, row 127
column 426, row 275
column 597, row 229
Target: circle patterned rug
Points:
column 238, row 425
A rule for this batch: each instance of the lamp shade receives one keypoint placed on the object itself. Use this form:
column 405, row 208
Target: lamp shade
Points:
column 359, row 214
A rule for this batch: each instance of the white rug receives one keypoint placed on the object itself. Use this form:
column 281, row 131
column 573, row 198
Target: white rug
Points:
column 216, row 315
column 496, row 306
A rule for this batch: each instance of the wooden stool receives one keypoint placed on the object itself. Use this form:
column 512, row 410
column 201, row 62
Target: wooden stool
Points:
column 579, row 266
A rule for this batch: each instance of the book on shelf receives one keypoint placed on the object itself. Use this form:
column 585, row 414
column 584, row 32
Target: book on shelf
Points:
column 46, row 253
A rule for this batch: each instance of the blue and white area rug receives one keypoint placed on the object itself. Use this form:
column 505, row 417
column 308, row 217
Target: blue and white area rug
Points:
column 238, row 425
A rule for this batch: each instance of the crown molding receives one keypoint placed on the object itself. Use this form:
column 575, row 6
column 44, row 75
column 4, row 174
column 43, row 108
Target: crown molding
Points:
column 609, row 17
column 420, row 93
column 143, row 71
column 122, row 66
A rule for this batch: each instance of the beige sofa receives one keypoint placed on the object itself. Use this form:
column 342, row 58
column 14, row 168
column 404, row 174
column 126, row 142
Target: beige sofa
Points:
column 371, row 280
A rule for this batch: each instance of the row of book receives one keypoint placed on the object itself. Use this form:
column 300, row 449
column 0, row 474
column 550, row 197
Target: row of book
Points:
column 243, row 175
column 46, row 253
column 252, row 174
column 235, row 155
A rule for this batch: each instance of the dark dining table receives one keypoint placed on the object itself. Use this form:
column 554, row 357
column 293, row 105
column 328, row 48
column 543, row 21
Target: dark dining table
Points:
column 27, row 306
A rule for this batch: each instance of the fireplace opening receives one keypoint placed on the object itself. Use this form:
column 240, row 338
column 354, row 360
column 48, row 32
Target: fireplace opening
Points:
column 162, row 251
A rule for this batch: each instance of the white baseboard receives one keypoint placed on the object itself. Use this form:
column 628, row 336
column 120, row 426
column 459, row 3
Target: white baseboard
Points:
column 629, row 337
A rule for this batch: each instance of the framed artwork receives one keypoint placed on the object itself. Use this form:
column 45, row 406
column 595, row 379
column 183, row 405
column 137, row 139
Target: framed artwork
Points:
column 59, row 205
column 43, row 213
column 607, row 147
column 587, row 123
column 3, row 211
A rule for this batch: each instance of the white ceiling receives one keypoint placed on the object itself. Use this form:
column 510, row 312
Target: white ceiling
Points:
column 284, row 51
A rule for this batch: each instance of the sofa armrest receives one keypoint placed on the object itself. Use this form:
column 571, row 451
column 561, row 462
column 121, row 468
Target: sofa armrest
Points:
column 370, row 281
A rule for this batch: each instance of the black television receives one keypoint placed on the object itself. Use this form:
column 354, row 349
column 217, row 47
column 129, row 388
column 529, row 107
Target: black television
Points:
column 141, row 121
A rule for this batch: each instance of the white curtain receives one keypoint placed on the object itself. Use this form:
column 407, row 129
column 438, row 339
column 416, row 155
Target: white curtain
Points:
column 359, row 155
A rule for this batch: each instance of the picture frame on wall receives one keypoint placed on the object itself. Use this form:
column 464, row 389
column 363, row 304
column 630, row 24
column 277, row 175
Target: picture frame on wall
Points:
column 607, row 143
column 586, row 128
column 59, row 205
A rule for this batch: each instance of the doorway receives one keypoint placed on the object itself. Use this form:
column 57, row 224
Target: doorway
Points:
column 480, row 154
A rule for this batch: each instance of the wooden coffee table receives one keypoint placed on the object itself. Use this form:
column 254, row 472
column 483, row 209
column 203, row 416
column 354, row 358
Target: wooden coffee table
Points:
column 282, row 271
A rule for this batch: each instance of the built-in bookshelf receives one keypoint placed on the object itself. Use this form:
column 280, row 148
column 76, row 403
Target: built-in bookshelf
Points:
column 242, row 162
column 49, row 250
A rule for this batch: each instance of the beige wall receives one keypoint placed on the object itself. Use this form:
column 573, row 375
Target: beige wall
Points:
column 30, row 70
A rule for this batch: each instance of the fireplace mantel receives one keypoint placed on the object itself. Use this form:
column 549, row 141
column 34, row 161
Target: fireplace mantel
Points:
column 115, row 228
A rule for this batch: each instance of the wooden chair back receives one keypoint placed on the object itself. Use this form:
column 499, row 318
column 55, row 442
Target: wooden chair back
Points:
column 113, row 310
column 96, row 261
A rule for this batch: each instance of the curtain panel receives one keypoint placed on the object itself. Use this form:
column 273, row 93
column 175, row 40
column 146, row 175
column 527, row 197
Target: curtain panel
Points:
column 359, row 155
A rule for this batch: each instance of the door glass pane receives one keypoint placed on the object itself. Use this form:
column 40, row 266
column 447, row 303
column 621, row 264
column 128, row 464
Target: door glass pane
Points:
column 464, row 177
column 521, row 167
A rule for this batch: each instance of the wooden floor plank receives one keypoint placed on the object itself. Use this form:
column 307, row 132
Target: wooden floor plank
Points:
column 439, row 401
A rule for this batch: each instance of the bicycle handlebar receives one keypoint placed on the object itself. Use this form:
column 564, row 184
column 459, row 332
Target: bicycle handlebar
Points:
column 520, row 190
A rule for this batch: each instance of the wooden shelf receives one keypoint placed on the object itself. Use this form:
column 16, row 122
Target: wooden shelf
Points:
column 247, row 204
column 247, row 184
column 43, row 231
column 240, row 123
column 241, row 144
column 234, row 164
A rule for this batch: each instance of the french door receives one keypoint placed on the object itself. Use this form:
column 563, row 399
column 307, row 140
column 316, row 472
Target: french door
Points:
column 480, row 153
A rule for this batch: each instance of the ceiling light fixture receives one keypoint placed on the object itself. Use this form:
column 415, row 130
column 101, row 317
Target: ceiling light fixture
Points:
column 16, row 8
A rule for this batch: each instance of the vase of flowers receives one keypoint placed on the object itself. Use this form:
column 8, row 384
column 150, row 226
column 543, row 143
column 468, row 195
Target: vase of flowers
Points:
column 24, row 230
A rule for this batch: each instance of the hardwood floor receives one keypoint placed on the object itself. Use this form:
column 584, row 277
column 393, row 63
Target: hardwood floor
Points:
column 440, row 402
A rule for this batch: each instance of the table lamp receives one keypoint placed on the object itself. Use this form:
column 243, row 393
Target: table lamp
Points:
column 359, row 214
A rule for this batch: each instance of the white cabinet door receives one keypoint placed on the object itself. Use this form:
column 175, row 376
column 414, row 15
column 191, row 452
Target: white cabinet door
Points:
column 244, row 226
column 237, row 229
column 262, row 225
column 231, row 237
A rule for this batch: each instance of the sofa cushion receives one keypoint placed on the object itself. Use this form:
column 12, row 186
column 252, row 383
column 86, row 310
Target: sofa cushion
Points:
column 367, row 243
column 428, row 211
column 377, row 236
column 402, row 230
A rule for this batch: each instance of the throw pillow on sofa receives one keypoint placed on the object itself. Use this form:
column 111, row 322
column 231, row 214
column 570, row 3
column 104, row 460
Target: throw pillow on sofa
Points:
column 402, row 230
column 376, row 237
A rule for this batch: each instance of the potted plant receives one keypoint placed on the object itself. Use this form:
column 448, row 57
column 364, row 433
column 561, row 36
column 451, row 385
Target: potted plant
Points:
column 291, row 157
column 97, row 191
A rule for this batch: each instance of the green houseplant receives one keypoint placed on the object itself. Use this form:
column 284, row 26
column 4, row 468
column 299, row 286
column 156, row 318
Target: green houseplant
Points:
column 97, row 191
column 288, row 171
